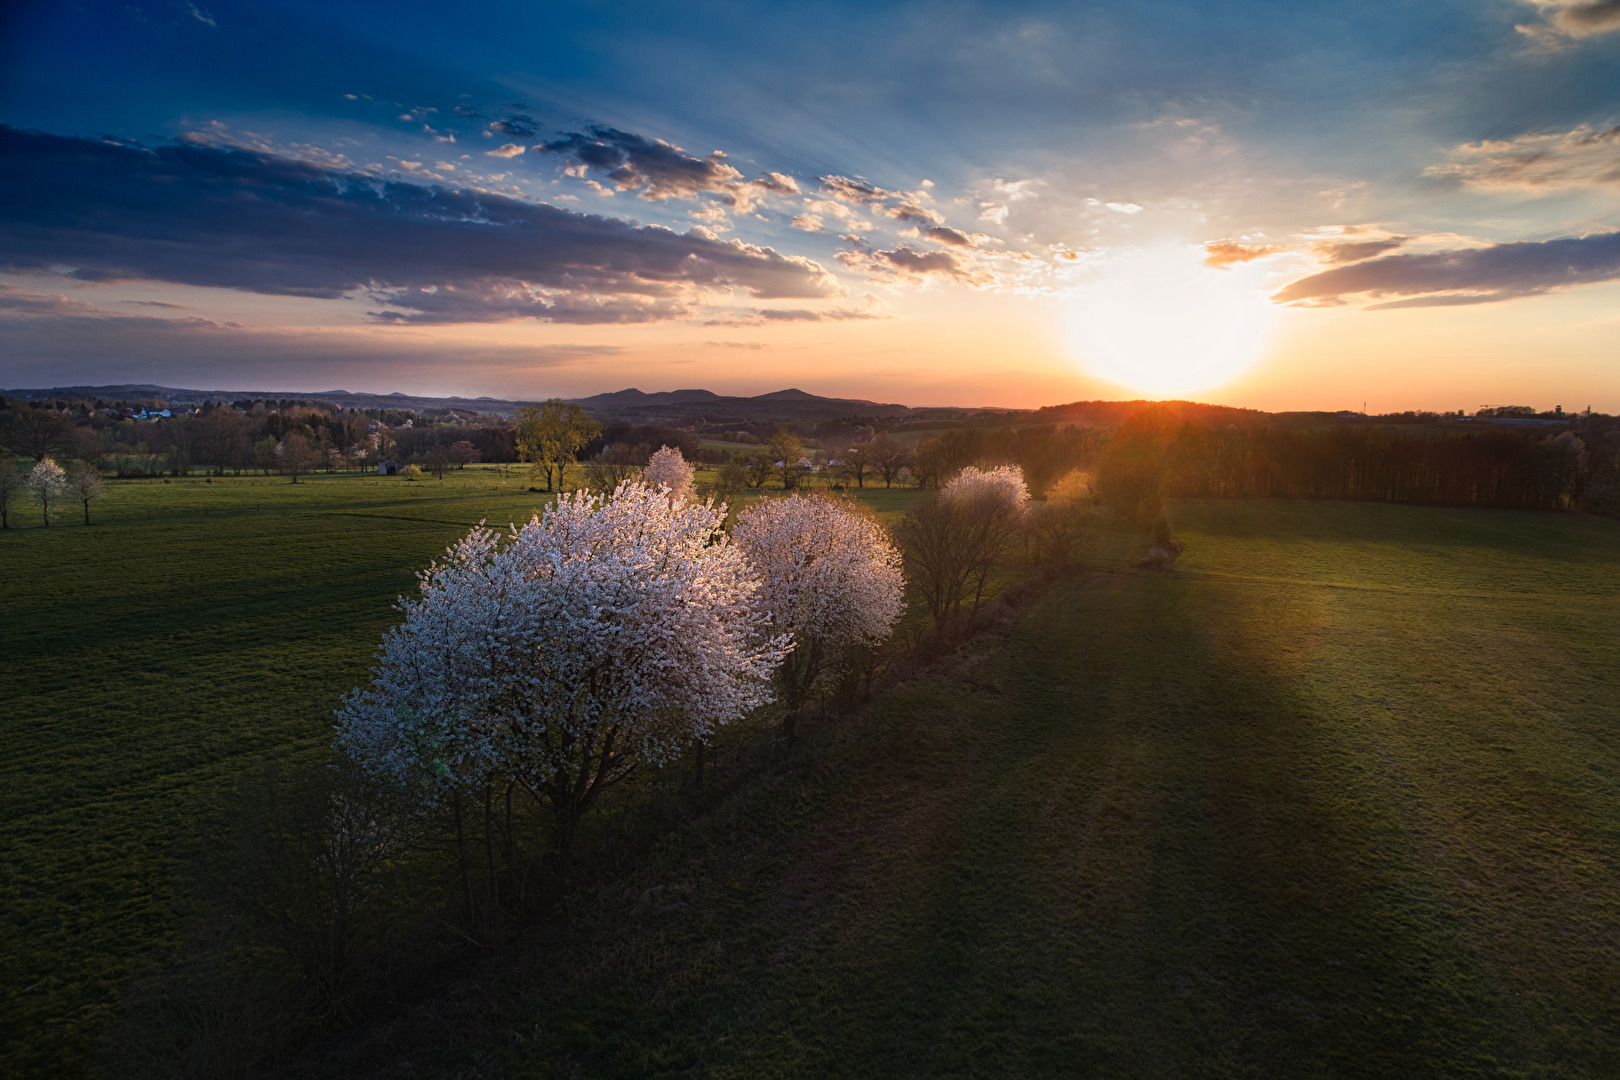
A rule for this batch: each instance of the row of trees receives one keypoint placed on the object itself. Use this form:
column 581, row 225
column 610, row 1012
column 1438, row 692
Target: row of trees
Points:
column 613, row 633
column 48, row 485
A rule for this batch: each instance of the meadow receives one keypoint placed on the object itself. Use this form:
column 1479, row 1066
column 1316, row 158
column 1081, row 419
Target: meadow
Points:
column 1337, row 796
column 199, row 625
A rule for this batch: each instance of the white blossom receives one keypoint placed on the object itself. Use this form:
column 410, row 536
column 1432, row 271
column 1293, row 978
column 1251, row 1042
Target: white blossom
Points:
column 831, row 578
column 604, row 633
column 48, row 483
column 1002, row 488
column 669, row 468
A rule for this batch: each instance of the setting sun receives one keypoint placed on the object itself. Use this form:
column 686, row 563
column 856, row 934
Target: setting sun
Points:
column 1159, row 321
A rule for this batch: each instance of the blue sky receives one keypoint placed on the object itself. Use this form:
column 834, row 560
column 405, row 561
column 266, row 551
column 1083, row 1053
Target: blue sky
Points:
column 912, row 202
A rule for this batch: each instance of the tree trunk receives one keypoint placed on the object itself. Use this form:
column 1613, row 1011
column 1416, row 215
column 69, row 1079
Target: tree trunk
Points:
column 461, row 858
column 87, row 511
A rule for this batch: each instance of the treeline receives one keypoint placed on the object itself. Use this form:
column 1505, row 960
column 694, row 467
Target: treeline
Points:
column 1157, row 455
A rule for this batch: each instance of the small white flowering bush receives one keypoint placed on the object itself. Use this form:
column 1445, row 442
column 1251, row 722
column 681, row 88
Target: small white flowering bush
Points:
column 669, row 468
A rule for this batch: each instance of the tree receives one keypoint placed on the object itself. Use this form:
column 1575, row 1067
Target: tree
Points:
column 730, row 478
column 464, row 453
column 83, row 482
column 668, row 468
column 12, row 483
column 438, row 461
column 1062, row 526
column 48, row 484
column 759, row 469
column 787, row 450
column 613, row 465
column 889, row 459
column 607, row 633
column 264, row 453
column 953, row 540
column 296, row 454
column 36, row 432
column 856, row 463
column 552, row 435
column 831, row 578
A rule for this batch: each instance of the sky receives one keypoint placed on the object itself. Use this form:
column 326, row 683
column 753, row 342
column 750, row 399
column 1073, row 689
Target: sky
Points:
column 1279, row 205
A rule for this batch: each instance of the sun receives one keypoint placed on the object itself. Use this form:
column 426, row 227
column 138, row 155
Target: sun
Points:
column 1158, row 320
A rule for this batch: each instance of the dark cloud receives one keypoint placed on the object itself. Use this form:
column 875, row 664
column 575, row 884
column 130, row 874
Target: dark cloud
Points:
column 943, row 234
column 52, row 338
column 917, row 215
column 1223, row 253
column 1575, row 18
column 780, row 183
column 207, row 215
column 903, row 260
column 654, row 167
column 518, row 126
column 855, row 190
column 1356, row 250
column 1477, row 276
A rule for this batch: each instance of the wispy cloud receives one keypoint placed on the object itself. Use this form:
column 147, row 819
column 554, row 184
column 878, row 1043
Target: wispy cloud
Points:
column 1223, row 253
column 1585, row 157
column 1450, row 278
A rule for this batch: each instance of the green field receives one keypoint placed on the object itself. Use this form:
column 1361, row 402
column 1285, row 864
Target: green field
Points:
column 1340, row 796
column 149, row 658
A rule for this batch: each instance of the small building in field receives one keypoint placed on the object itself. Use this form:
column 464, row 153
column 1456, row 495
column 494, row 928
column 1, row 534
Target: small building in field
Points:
column 387, row 468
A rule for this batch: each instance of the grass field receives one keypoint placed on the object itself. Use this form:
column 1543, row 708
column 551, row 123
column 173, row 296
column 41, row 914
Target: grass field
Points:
column 1337, row 797
column 148, row 659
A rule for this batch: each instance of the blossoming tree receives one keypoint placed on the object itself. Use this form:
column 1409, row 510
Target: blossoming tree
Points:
column 48, row 483
column 831, row 579
column 606, row 633
column 954, row 539
column 669, row 468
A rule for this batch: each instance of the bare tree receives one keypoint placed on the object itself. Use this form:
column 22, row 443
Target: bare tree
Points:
column 296, row 454
column 612, row 466
column 438, row 461
column 953, row 540
column 788, row 450
column 856, row 463
column 12, row 482
column 464, row 453
column 36, row 432
column 759, row 469
column 889, row 459
column 83, row 482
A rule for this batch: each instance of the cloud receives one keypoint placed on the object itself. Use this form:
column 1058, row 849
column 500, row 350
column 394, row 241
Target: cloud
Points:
column 517, row 125
column 1584, row 157
column 807, row 223
column 658, row 170
column 54, row 339
column 1477, row 276
column 779, row 183
column 509, row 150
column 1224, row 253
column 1350, row 251
column 768, row 316
column 854, row 189
column 205, row 215
column 906, row 262
column 943, row 234
column 1572, row 19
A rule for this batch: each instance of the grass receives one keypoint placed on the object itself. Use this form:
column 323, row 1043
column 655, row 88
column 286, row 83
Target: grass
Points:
column 1336, row 798
column 149, row 659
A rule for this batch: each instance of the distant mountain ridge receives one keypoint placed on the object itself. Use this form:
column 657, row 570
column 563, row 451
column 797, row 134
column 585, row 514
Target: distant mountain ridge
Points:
column 663, row 406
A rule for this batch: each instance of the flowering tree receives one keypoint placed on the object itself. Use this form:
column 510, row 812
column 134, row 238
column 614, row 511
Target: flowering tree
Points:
column 954, row 539
column 831, row 579
column 83, row 483
column 606, row 633
column 48, row 483
column 669, row 468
